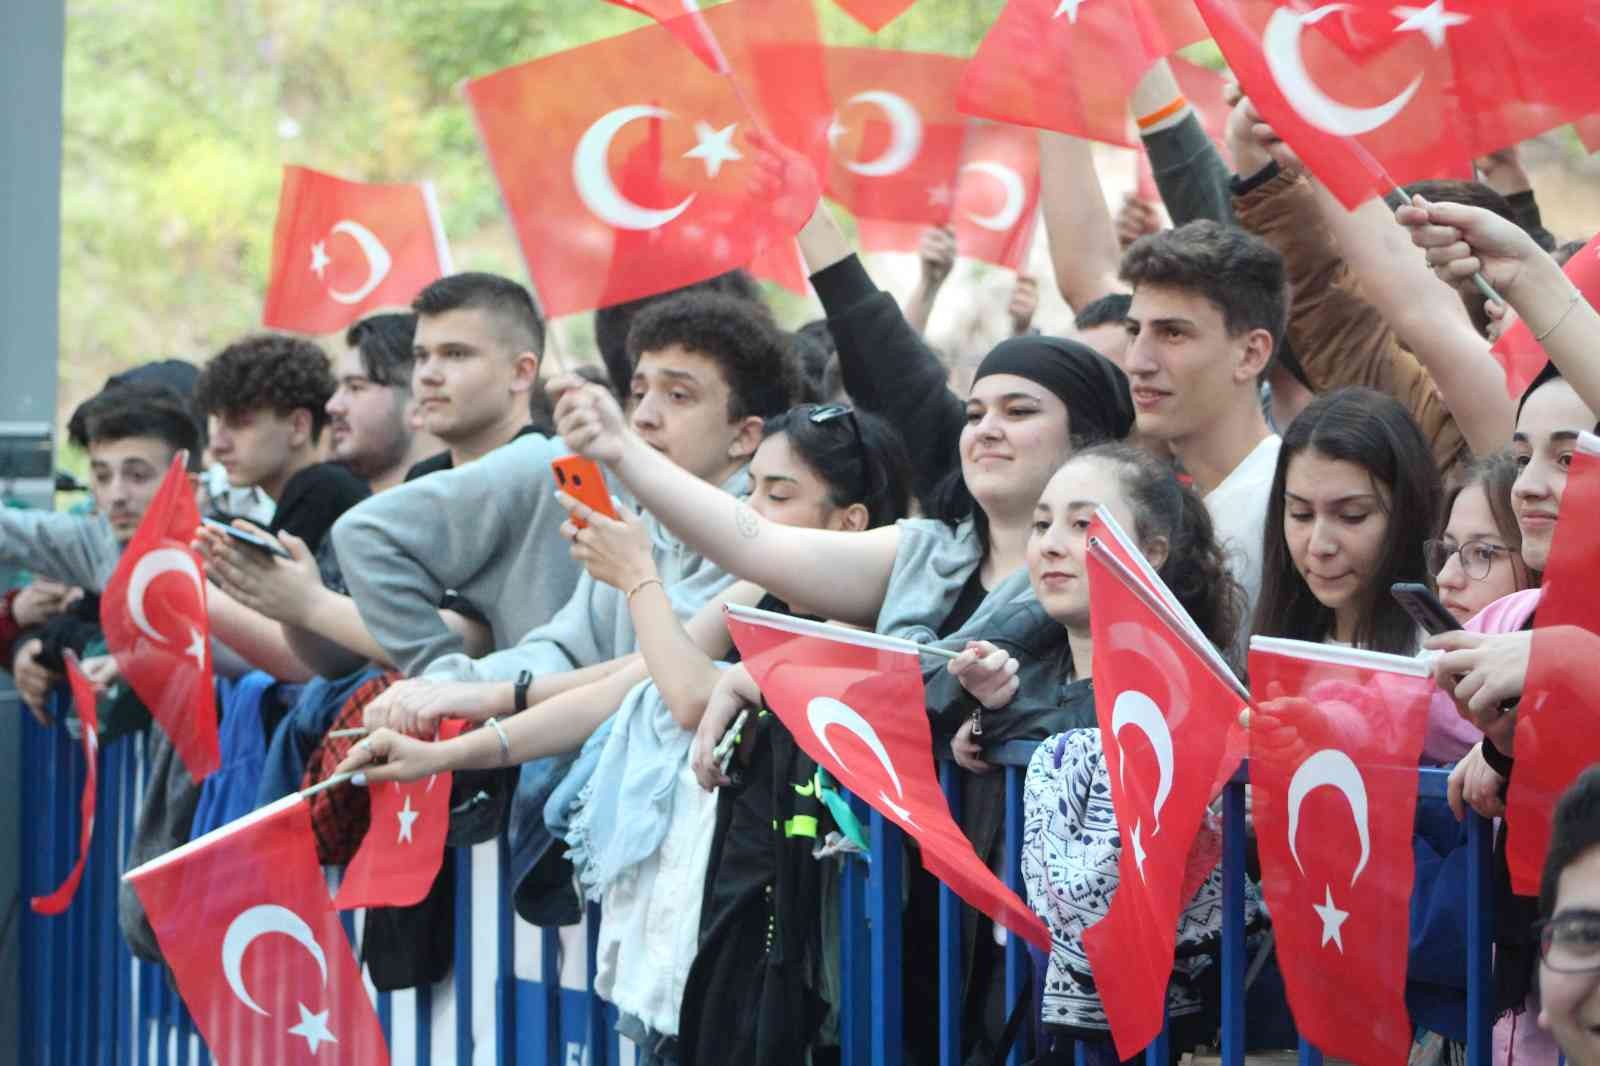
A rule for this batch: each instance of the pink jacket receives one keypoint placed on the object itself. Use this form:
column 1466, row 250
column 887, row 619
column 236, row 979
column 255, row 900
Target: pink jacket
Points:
column 1451, row 736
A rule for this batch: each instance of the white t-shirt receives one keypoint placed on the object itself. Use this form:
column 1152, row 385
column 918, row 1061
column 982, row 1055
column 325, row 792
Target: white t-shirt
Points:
column 1238, row 509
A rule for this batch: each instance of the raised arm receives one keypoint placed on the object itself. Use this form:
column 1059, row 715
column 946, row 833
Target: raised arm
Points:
column 254, row 636
column 74, row 549
column 841, row 575
column 1083, row 241
column 1189, row 171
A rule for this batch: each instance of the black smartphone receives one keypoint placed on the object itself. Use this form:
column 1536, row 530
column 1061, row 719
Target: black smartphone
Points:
column 244, row 536
column 1424, row 607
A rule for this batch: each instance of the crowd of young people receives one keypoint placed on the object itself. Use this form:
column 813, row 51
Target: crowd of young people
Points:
column 1287, row 405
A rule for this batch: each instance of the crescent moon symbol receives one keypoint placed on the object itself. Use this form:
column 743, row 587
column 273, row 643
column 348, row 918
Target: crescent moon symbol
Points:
column 1334, row 768
column 1016, row 196
column 592, row 173
column 905, row 142
column 1281, row 45
column 259, row 921
column 824, row 711
column 151, row 566
column 378, row 260
column 1140, row 711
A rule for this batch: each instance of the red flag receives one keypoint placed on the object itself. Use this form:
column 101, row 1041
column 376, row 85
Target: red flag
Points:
column 783, row 265
column 344, row 248
column 994, row 200
column 897, row 138
column 639, row 180
column 847, row 697
column 683, row 20
column 244, row 921
column 1555, row 738
column 1361, row 87
column 1161, row 708
column 1588, row 130
column 83, row 699
column 874, row 14
column 154, row 613
column 1334, row 744
column 1517, row 351
column 1070, row 65
column 404, row 846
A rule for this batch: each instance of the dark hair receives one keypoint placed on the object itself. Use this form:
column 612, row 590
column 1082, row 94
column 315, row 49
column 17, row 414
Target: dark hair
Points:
column 120, row 412
column 267, row 371
column 1373, row 431
column 1196, row 566
column 1566, row 251
column 756, row 359
column 1495, row 474
column 1574, row 829
column 521, row 326
column 813, row 359
column 613, row 324
column 865, row 463
column 1239, row 272
column 1109, row 310
column 384, row 342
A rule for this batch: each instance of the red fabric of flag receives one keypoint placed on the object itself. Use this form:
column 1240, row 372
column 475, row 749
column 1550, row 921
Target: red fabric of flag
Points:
column 1334, row 741
column 682, row 18
column 854, row 703
column 244, row 921
column 344, row 248
column 1588, row 130
column 640, row 179
column 404, row 846
column 896, row 138
column 83, row 698
column 1164, row 718
column 784, row 266
column 1070, row 65
column 874, row 14
column 1517, row 351
column 153, row 611
column 1362, row 87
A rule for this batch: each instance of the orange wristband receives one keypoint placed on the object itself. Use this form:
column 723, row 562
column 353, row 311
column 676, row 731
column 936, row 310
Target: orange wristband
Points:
column 1146, row 121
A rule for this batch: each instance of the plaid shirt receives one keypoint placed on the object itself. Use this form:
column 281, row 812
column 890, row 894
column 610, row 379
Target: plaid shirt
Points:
column 339, row 816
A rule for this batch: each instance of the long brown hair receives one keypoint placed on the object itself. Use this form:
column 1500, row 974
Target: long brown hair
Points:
column 1495, row 474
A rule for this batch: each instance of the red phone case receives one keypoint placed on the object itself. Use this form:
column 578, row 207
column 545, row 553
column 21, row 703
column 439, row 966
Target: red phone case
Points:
column 581, row 479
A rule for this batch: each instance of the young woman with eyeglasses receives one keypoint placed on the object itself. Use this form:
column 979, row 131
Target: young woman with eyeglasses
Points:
column 1477, row 558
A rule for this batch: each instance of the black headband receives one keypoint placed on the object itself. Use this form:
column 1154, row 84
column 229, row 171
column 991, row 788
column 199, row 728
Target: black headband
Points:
column 1095, row 391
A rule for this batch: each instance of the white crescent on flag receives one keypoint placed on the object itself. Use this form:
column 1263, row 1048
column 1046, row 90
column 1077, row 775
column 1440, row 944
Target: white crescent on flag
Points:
column 151, row 566
column 591, row 172
column 377, row 256
column 1016, row 196
column 1281, row 44
column 824, row 711
column 904, row 143
column 1333, row 768
column 256, row 922
column 1140, row 711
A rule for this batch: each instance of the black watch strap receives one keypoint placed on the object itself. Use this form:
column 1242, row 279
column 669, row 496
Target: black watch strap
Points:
column 519, row 691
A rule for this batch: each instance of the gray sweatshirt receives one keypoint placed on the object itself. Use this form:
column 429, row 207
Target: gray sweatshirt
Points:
column 488, row 531
column 77, row 549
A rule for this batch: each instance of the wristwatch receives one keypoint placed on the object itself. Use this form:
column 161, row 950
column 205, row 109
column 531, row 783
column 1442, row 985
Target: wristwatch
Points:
column 519, row 691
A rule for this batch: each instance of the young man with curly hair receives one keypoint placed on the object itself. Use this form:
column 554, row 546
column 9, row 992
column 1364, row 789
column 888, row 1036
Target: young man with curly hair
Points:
column 265, row 401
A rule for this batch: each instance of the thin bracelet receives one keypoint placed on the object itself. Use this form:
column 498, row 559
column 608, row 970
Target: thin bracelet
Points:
column 1161, row 114
column 642, row 584
column 505, row 745
column 1576, row 296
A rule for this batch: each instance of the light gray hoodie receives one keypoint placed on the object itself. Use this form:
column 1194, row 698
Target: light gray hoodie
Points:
column 76, row 549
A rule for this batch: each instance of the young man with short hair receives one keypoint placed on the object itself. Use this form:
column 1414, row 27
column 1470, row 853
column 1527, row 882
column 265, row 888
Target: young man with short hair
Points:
column 371, row 411
column 265, row 401
column 1208, row 310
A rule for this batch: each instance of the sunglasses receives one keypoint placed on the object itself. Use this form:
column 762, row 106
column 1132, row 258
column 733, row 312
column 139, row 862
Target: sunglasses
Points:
column 819, row 414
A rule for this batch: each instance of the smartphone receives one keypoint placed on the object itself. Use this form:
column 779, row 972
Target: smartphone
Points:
column 581, row 479
column 245, row 536
column 1424, row 607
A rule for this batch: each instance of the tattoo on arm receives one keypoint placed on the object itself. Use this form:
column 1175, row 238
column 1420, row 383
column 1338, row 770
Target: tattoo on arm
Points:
column 745, row 519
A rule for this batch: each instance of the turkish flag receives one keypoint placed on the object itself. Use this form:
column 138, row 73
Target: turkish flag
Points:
column 783, row 265
column 1334, row 743
column 1517, row 351
column 993, row 200
column 83, row 698
column 874, row 14
column 1070, row 65
column 404, row 846
column 639, row 180
column 1588, row 130
column 854, row 702
column 1555, row 737
column 244, row 921
column 1363, row 88
column 683, row 20
column 897, row 138
column 153, row 611
column 344, row 248
column 1164, row 717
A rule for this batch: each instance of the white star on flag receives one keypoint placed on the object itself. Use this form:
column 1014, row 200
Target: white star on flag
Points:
column 313, row 1028
column 408, row 818
column 1431, row 21
column 1332, row 919
column 713, row 147
column 197, row 648
column 1068, row 8
column 1138, row 848
column 319, row 258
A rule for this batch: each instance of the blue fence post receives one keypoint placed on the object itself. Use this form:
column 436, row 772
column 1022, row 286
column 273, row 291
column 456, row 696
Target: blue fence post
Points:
column 950, row 939
column 505, row 1020
column 1233, row 943
column 884, row 887
column 28, row 867
column 1016, row 952
column 599, row 1037
column 423, row 1025
column 1480, row 941
column 463, row 955
column 855, row 1018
